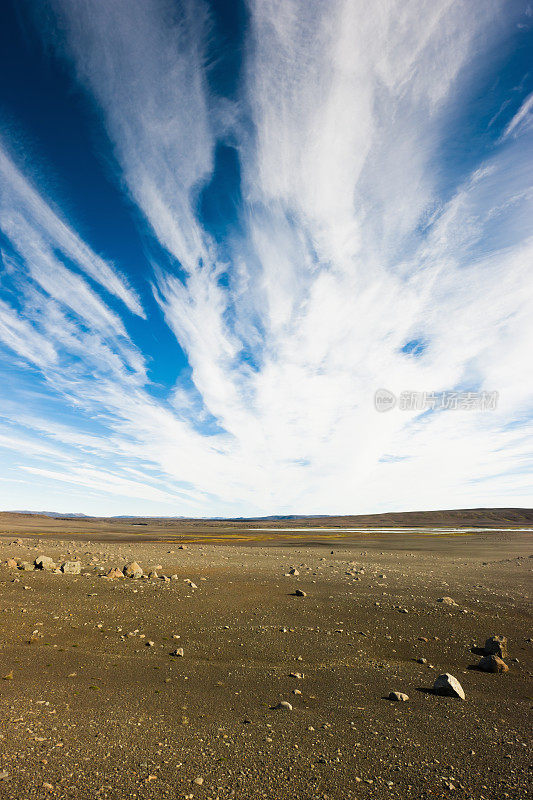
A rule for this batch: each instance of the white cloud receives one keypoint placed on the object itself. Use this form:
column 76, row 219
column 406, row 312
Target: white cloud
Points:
column 522, row 120
column 21, row 337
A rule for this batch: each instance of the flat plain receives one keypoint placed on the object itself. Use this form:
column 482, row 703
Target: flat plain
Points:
column 93, row 703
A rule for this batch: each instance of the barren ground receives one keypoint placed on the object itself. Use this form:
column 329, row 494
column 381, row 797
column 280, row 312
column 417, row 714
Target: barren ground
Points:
column 92, row 712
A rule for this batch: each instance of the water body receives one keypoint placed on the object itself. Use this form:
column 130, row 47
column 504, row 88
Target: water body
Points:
column 432, row 531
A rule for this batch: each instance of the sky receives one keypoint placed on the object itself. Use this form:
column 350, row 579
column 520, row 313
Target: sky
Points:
column 225, row 224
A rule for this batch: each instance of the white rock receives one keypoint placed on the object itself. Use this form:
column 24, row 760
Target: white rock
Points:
column 283, row 706
column 447, row 685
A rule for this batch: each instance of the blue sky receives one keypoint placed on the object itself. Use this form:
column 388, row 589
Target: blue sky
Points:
column 225, row 225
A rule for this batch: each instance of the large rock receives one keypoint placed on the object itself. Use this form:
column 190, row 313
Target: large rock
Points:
column 133, row 570
column 45, row 562
column 492, row 664
column 71, row 567
column 496, row 646
column 449, row 686
column 25, row 566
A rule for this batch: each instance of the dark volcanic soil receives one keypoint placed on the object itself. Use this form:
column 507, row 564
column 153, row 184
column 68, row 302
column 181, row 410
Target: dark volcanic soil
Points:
column 89, row 711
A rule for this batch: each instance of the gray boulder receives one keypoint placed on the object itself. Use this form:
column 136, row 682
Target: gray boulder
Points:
column 45, row 562
column 71, row 567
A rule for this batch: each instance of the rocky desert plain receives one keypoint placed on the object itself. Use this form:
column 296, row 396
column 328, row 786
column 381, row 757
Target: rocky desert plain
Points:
column 299, row 658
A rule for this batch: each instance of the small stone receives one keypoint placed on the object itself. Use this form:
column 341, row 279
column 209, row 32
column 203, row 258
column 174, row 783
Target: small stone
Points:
column 296, row 691
column 496, row 646
column 449, row 686
column 294, row 571
column 4, row 774
column 300, row 593
column 11, row 563
column 71, row 567
column 421, row 661
column 153, row 574
column 178, row 653
column 198, row 781
column 8, row 677
column 45, row 562
column 492, row 664
column 150, row 644
column 399, row 697
column 283, row 706
column 448, row 601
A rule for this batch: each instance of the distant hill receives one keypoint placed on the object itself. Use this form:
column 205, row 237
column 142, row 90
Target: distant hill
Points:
column 470, row 517
column 54, row 514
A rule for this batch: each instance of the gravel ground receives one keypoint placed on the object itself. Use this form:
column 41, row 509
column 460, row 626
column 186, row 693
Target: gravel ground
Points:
column 89, row 710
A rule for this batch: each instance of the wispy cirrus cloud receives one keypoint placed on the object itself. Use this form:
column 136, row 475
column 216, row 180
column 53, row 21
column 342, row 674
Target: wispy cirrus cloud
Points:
column 357, row 233
column 20, row 202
